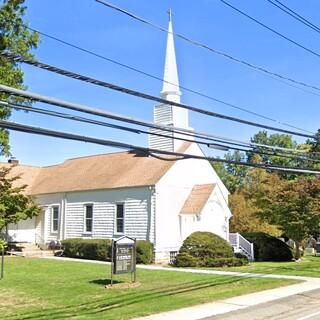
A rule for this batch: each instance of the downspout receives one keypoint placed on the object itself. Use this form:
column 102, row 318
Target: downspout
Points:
column 64, row 212
column 153, row 212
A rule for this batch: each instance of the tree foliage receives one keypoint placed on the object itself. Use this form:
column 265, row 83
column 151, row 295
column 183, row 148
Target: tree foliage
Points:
column 231, row 175
column 17, row 39
column 244, row 218
column 276, row 157
column 293, row 206
column 15, row 205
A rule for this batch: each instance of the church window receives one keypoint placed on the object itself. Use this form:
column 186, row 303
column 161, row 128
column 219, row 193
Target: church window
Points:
column 55, row 218
column 119, row 228
column 88, row 222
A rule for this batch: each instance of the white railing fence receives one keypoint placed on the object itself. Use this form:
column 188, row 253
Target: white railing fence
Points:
column 240, row 243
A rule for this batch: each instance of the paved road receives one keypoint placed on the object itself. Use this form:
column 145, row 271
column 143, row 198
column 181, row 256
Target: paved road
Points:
column 303, row 306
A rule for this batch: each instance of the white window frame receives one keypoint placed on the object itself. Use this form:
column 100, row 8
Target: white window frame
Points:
column 53, row 219
column 116, row 218
column 85, row 218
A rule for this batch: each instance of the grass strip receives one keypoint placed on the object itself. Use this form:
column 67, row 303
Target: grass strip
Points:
column 56, row 289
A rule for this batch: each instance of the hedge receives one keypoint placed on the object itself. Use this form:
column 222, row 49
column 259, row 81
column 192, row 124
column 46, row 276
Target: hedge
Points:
column 91, row 249
column 269, row 248
column 100, row 249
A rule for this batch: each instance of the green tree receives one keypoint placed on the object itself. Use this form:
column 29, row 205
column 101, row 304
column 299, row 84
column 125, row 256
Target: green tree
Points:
column 15, row 38
column 244, row 218
column 15, row 204
column 276, row 157
column 231, row 175
column 314, row 143
column 293, row 206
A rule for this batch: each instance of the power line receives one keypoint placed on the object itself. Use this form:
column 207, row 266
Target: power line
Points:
column 181, row 156
column 184, row 88
column 138, row 131
column 118, row 117
column 105, row 124
column 270, row 29
column 147, row 96
column 247, row 64
column 294, row 15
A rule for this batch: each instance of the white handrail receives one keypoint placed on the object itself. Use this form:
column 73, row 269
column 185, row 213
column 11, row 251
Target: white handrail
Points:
column 238, row 241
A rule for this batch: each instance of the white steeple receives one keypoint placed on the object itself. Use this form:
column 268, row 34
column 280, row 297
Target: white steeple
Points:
column 170, row 90
column 166, row 114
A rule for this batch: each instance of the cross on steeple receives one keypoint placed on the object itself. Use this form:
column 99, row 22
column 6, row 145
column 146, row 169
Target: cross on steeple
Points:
column 170, row 14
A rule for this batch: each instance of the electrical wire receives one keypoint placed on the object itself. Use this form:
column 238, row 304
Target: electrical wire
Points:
column 147, row 96
column 270, row 29
column 247, row 64
column 149, row 151
column 105, row 124
column 138, row 131
column 114, row 116
column 294, row 15
column 182, row 87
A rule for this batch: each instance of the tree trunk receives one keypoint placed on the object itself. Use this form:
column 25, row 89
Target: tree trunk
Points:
column 297, row 255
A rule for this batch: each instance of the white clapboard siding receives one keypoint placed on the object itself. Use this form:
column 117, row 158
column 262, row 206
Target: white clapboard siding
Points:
column 136, row 219
column 103, row 220
column 137, row 212
column 74, row 220
column 164, row 142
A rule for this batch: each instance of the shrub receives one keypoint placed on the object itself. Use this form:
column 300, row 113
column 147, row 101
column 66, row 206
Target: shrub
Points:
column 3, row 245
column 145, row 252
column 71, row 247
column 226, row 262
column 91, row 249
column 184, row 259
column 100, row 249
column 268, row 248
column 243, row 257
column 205, row 249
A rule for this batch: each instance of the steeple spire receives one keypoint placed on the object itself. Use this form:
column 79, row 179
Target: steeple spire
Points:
column 170, row 14
column 170, row 90
column 166, row 114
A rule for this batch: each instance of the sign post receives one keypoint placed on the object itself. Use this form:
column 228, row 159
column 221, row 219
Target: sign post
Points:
column 124, row 257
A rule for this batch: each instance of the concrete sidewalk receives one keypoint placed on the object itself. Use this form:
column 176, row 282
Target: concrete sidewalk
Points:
column 222, row 306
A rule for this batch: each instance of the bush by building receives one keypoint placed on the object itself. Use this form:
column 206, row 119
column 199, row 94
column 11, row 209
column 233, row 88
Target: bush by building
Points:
column 205, row 249
column 145, row 252
column 268, row 248
column 91, row 249
column 100, row 249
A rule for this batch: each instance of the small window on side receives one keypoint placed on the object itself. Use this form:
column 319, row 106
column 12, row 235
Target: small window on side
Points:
column 119, row 218
column 88, row 223
column 55, row 218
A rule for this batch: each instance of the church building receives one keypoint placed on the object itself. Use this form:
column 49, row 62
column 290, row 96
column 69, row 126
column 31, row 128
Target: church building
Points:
column 160, row 199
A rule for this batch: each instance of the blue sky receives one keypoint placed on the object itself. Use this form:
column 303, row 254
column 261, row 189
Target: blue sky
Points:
column 95, row 27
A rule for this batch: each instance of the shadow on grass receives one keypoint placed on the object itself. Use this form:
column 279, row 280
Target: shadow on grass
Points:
column 152, row 300
column 105, row 282
column 123, row 300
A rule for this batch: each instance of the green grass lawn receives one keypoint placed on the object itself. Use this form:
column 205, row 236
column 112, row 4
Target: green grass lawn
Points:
column 53, row 289
column 309, row 266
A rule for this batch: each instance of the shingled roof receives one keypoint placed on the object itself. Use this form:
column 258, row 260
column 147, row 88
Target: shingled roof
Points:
column 27, row 174
column 104, row 171
column 197, row 199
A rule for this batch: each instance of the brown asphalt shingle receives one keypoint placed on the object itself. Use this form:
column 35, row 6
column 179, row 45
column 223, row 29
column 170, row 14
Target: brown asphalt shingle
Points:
column 104, row 171
column 197, row 199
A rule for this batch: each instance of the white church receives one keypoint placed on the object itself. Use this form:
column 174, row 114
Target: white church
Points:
column 130, row 193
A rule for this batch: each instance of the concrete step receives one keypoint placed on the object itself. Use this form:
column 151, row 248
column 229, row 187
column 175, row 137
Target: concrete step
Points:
column 29, row 250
